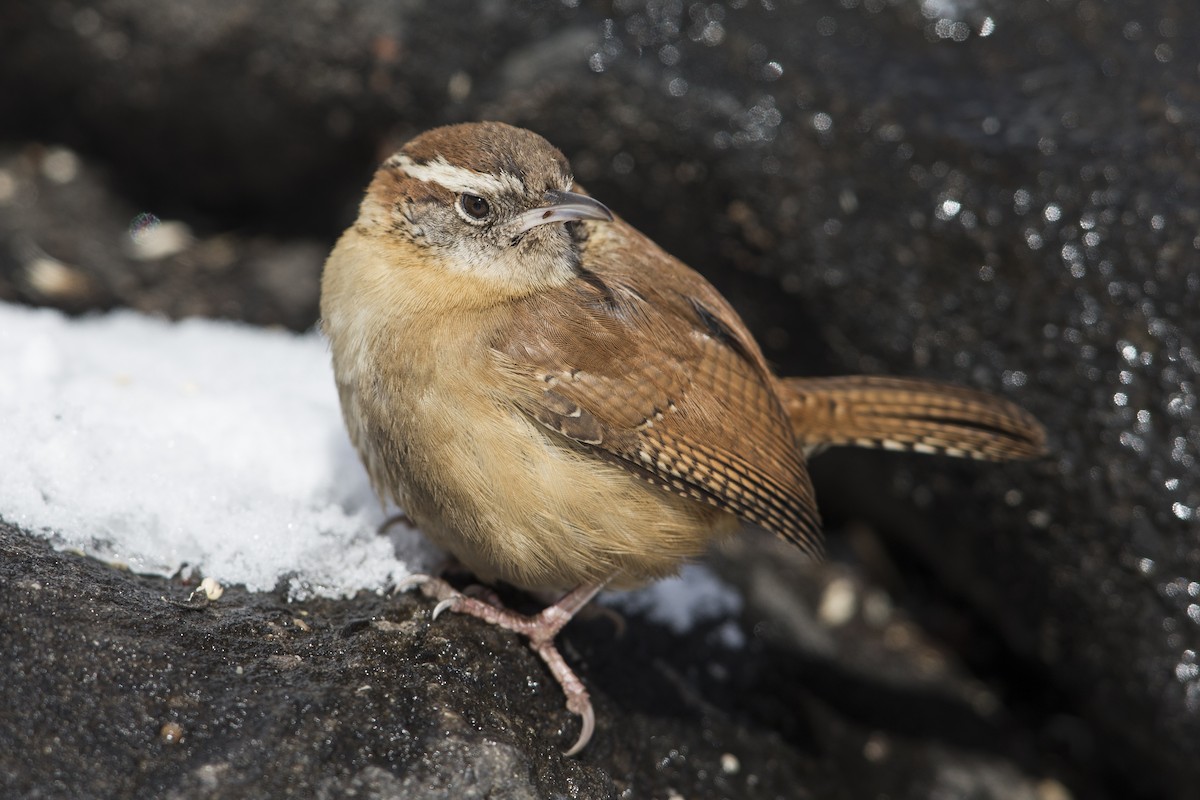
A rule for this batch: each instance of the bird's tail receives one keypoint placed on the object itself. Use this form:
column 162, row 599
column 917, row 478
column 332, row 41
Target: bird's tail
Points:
column 903, row 414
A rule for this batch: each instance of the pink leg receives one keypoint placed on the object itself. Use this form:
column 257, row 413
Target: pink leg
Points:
column 540, row 629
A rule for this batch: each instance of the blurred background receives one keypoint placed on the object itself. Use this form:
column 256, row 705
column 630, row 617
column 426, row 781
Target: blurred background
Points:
column 1000, row 194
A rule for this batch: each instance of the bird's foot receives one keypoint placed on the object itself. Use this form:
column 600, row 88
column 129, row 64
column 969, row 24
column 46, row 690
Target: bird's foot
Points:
column 540, row 629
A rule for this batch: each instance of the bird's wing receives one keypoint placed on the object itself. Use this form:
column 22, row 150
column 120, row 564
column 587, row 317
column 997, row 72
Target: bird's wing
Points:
column 654, row 371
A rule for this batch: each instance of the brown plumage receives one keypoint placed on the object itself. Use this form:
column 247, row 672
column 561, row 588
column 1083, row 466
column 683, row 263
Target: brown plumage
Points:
column 558, row 402
column 907, row 414
column 583, row 350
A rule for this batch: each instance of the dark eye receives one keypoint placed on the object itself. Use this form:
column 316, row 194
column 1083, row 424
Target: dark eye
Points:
column 475, row 206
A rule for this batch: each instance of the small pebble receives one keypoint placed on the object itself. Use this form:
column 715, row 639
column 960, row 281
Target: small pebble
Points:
column 212, row 589
column 839, row 603
column 876, row 748
column 54, row 279
column 60, row 165
column 151, row 239
column 1050, row 789
column 171, row 733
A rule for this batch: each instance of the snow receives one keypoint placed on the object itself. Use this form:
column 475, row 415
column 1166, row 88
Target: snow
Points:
column 679, row 603
column 200, row 445
column 217, row 448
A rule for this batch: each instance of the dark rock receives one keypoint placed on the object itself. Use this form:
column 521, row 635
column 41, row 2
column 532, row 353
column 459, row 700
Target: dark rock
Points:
column 67, row 240
column 121, row 686
column 1002, row 195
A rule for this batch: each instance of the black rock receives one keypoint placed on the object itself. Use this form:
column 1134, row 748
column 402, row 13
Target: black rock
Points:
column 127, row 686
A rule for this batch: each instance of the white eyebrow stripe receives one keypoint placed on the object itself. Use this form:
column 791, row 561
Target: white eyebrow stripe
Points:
column 457, row 179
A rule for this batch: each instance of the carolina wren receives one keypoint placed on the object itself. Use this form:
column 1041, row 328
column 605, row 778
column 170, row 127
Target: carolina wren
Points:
column 562, row 405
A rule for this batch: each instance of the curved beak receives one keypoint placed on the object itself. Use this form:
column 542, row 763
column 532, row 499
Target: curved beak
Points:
column 563, row 207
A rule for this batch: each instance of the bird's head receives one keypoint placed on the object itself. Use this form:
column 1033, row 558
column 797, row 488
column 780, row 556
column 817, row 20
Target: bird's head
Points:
column 483, row 200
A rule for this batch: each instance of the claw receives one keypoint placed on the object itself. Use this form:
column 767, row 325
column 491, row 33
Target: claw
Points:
column 399, row 518
column 411, row 582
column 449, row 602
column 588, row 718
column 612, row 615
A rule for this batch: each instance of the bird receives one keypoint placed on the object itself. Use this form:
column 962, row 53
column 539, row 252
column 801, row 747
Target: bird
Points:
column 563, row 406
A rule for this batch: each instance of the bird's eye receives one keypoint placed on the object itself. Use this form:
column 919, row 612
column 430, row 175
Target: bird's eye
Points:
column 474, row 206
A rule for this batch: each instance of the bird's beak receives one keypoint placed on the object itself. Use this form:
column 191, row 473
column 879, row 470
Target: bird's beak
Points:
column 563, row 207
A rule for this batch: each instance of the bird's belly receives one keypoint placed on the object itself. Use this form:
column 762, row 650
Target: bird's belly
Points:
column 514, row 503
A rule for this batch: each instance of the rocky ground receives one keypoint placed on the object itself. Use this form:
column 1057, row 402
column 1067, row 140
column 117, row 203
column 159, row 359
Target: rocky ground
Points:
column 1003, row 195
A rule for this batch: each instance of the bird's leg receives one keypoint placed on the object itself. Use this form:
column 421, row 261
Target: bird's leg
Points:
column 540, row 629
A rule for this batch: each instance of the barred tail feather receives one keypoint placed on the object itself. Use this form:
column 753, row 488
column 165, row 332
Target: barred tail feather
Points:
column 908, row 414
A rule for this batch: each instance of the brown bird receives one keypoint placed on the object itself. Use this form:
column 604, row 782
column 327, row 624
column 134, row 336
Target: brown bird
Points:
column 562, row 405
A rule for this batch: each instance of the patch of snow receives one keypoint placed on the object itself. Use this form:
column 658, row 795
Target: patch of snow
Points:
column 694, row 596
column 201, row 444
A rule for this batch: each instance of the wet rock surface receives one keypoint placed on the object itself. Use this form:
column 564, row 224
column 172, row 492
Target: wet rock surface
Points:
column 122, row 685
column 1002, row 195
